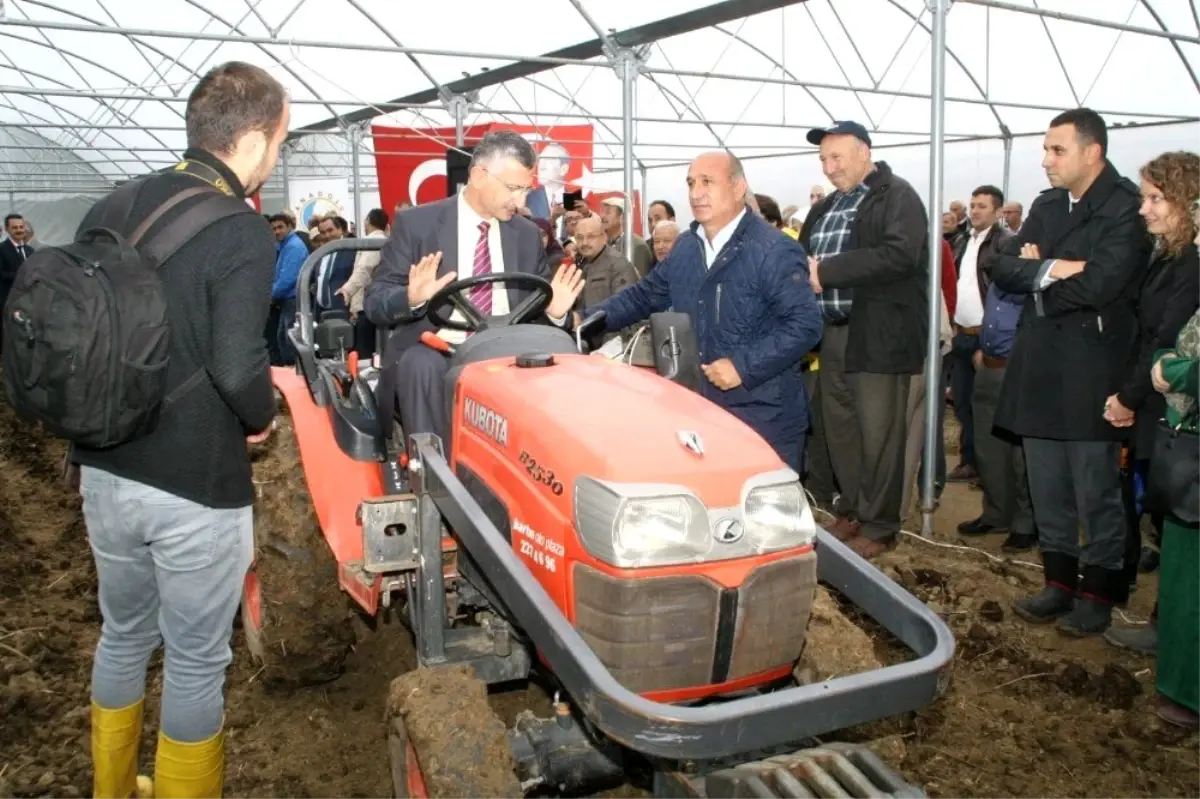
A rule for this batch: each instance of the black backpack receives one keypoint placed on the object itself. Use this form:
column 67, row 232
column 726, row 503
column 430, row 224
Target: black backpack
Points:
column 86, row 338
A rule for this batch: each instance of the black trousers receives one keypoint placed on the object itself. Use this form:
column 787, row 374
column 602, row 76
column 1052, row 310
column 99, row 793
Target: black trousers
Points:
column 364, row 337
column 1074, row 484
column 420, row 389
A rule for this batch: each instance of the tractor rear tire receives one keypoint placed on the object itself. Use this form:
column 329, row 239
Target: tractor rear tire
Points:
column 294, row 614
column 444, row 739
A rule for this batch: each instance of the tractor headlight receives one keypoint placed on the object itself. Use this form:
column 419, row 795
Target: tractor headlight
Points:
column 778, row 517
column 631, row 526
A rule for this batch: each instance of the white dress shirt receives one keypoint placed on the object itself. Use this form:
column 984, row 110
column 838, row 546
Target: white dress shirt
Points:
column 968, row 312
column 468, row 239
column 713, row 248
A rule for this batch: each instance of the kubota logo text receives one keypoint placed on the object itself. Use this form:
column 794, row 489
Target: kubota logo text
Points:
column 492, row 424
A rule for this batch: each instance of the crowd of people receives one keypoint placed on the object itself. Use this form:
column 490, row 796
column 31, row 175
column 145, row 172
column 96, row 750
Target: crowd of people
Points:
column 1070, row 345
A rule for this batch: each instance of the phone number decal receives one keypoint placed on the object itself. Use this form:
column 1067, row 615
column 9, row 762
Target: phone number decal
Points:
column 543, row 551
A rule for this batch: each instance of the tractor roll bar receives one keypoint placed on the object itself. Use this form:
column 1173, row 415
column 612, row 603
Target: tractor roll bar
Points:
column 718, row 729
column 304, row 302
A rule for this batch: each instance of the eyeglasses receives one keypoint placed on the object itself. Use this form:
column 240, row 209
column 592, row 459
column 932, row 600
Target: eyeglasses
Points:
column 517, row 190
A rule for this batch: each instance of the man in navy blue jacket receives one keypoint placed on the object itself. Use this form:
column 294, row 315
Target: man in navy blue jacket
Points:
column 746, row 288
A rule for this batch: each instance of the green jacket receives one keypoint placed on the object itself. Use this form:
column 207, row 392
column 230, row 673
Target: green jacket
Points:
column 1183, row 375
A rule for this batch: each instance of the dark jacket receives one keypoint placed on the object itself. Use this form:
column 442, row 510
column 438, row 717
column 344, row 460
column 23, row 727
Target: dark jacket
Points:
column 10, row 262
column 218, row 291
column 1169, row 296
column 603, row 278
column 430, row 228
column 755, row 307
column 989, row 248
column 643, row 253
column 886, row 262
column 1076, row 338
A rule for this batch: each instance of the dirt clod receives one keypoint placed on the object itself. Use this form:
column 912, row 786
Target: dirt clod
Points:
column 835, row 646
column 991, row 610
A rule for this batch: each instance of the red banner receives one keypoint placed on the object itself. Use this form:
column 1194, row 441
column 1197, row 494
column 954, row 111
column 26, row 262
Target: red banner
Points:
column 411, row 163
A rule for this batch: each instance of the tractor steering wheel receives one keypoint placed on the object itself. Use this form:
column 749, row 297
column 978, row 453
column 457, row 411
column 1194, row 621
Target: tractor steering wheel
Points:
column 453, row 294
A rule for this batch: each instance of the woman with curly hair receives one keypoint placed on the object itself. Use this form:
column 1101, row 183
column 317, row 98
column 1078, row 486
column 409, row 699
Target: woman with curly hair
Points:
column 1169, row 296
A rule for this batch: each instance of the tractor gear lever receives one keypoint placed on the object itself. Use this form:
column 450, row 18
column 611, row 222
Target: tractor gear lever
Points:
column 594, row 318
column 432, row 341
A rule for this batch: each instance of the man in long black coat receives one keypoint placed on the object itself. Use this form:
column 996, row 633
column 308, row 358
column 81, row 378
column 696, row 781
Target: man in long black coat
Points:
column 1078, row 257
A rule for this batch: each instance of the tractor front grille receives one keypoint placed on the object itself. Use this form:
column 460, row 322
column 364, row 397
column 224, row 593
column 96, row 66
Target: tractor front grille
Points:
column 685, row 631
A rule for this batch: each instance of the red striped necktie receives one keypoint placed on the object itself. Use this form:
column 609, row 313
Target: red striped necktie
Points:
column 481, row 296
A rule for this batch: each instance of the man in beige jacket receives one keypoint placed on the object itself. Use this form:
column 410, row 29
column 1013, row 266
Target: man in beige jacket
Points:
column 352, row 290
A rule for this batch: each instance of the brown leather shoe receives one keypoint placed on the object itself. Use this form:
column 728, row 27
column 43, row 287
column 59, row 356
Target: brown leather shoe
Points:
column 1175, row 713
column 867, row 548
column 843, row 529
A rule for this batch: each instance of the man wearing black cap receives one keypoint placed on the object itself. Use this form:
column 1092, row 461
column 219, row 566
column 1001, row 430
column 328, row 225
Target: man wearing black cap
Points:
column 868, row 250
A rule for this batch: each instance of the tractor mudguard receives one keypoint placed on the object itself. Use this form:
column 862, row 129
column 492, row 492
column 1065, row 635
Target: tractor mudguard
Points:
column 336, row 482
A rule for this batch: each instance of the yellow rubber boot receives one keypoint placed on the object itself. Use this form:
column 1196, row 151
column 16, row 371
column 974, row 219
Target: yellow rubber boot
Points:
column 116, row 735
column 189, row 770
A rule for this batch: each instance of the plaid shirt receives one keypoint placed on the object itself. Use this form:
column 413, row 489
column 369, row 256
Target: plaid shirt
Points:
column 830, row 235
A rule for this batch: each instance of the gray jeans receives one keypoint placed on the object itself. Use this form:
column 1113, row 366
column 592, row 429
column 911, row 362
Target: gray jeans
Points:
column 171, row 573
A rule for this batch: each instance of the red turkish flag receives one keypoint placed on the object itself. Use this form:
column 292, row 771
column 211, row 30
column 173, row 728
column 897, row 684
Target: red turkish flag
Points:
column 411, row 163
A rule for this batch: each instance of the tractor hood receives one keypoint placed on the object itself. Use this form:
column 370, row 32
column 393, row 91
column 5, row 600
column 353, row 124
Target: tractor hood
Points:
column 586, row 415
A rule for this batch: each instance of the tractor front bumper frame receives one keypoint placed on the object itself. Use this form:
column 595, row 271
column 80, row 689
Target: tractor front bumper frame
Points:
column 717, row 729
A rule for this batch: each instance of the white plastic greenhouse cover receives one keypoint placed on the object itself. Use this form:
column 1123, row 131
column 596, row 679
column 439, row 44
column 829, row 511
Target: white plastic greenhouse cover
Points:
column 106, row 80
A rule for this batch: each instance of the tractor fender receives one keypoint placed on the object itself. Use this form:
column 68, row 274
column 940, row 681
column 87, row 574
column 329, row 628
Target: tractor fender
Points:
column 336, row 482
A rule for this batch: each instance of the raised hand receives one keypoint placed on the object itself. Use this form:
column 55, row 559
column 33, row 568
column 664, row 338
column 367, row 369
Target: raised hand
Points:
column 567, row 284
column 423, row 281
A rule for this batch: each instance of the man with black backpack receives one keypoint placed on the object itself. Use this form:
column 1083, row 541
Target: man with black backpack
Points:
column 141, row 343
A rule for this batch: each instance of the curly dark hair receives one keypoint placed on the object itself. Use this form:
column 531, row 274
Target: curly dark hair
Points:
column 1177, row 175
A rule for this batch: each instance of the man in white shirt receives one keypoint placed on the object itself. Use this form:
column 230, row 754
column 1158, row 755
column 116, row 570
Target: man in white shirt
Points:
column 476, row 232
column 973, row 258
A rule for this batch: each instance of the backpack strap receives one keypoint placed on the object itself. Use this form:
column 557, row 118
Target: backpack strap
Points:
column 166, row 242
column 136, row 237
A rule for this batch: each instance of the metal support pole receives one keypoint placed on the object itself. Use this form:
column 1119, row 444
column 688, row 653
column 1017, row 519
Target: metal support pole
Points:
column 285, row 156
column 1008, row 144
column 935, row 402
column 628, row 65
column 645, row 196
column 355, row 140
column 458, row 106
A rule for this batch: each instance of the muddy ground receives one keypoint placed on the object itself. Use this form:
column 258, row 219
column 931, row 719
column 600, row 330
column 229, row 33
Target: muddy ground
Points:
column 1028, row 713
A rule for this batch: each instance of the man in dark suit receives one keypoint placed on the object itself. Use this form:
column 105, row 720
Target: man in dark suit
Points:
column 476, row 232
column 1077, row 257
column 605, row 272
column 13, row 252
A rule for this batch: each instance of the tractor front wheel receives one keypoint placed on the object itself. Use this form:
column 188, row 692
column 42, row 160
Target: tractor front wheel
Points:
column 444, row 739
column 294, row 614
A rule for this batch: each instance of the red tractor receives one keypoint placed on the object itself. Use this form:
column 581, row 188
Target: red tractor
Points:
column 600, row 526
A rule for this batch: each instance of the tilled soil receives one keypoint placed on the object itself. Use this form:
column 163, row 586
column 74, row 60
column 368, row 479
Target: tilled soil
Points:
column 1028, row 712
